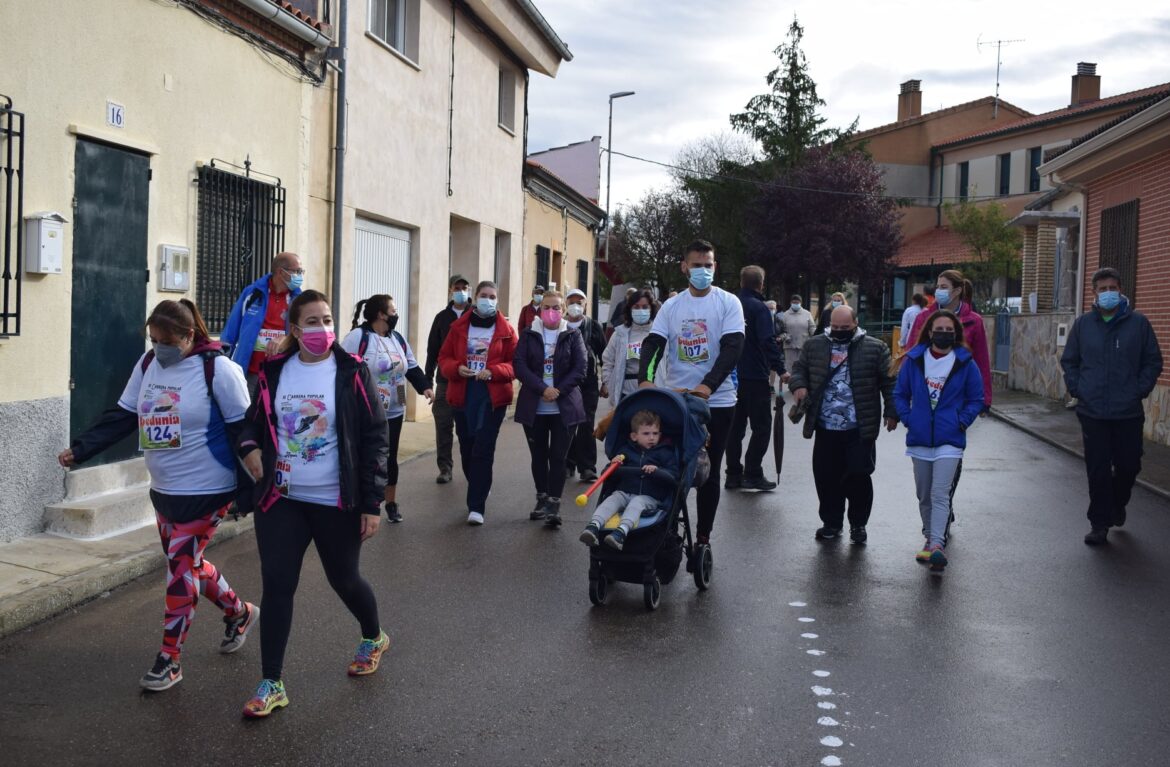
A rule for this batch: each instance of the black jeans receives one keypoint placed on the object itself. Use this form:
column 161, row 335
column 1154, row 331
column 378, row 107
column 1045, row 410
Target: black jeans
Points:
column 754, row 405
column 707, row 499
column 548, row 442
column 1113, row 459
column 444, row 428
column 394, row 432
column 478, row 426
column 842, row 465
column 583, row 450
column 283, row 534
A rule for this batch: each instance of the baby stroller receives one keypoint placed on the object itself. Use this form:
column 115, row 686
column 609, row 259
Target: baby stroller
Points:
column 654, row 549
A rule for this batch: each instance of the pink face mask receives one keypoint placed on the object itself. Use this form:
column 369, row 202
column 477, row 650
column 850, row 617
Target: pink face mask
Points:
column 317, row 340
column 551, row 317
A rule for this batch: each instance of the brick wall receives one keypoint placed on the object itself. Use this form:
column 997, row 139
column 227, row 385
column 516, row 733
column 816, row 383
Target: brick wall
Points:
column 1148, row 181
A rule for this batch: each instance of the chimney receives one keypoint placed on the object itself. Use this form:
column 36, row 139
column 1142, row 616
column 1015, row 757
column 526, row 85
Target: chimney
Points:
column 1086, row 84
column 910, row 100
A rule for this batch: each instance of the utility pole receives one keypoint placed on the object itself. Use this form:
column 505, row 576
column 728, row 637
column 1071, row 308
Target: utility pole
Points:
column 998, row 61
column 609, row 166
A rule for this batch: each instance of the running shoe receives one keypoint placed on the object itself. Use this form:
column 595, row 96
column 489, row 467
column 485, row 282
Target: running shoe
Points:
column 616, row 539
column 474, row 518
column 164, row 675
column 858, row 535
column 923, row 556
column 938, row 560
column 538, row 512
column 1097, row 536
column 827, row 533
column 589, row 535
column 236, row 629
column 270, row 695
column 552, row 512
column 369, row 654
column 392, row 512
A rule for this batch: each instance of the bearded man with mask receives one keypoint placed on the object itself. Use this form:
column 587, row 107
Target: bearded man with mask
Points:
column 583, row 449
column 847, row 375
column 701, row 332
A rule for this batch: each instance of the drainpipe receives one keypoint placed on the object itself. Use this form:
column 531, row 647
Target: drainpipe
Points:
column 341, row 108
column 289, row 23
column 451, row 107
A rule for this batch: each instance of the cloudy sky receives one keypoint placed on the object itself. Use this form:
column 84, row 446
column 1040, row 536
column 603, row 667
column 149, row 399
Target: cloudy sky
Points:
column 694, row 62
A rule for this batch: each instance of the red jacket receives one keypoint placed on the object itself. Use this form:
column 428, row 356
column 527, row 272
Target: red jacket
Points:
column 500, row 354
column 973, row 334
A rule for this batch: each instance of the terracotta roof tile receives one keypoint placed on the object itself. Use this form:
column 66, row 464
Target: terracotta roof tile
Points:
column 1058, row 115
column 298, row 13
column 985, row 101
column 1058, row 151
column 939, row 246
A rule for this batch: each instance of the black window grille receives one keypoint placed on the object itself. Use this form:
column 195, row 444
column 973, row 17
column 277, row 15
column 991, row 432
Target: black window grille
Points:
column 240, row 229
column 1005, row 174
column 583, row 276
column 964, row 179
column 1119, row 243
column 11, row 213
column 543, row 262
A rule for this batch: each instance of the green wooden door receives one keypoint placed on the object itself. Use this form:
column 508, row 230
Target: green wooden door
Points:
column 109, row 276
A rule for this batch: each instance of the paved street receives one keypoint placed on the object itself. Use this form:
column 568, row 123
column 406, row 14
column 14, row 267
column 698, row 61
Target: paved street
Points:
column 1032, row 649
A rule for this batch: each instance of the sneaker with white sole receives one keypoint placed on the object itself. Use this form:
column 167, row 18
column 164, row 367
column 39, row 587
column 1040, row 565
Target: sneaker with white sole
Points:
column 369, row 655
column 164, row 675
column 236, row 629
column 475, row 518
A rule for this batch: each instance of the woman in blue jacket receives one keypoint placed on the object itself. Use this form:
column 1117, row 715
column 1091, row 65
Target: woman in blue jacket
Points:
column 939, row 394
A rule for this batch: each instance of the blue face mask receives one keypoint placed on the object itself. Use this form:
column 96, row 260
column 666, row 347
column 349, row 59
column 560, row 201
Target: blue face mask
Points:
column 1109, row 300
column 640, row 316
column 295, row 281
column 942, row 296
column 485, row 306
column 459, row 297
column 701, row 277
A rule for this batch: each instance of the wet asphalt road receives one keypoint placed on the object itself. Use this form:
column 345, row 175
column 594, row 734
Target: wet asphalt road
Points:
column 1032, row 649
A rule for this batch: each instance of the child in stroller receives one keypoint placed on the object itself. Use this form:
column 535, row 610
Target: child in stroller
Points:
column 646, row 479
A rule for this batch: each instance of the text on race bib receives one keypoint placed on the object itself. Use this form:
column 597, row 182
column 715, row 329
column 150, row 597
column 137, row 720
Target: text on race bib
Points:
column 694, row 343
column 634, row 350
column 266, row 335
column 477, row 354
column 283, row 477
column 160, row 426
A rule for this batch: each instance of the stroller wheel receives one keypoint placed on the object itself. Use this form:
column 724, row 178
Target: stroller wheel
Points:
column 598, row 590
column 652, row 593
column 702, row 563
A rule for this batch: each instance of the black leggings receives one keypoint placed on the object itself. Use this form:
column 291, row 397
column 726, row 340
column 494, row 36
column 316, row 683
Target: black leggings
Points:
column 283, row 534
column 548, row 442
column 707, row 499
column 394, row 431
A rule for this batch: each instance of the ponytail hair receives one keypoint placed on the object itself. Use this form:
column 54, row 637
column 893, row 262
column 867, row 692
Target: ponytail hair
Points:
column 966, row 289
column 368, row 309
column 178, row 319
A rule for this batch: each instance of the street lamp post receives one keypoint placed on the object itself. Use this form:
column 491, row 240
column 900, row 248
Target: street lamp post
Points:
column 609, row 165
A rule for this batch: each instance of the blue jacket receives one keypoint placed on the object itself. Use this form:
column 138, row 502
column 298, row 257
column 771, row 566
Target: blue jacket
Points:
column 246, row 319
column 1110, row 367
column 761, row 353
column 959, row 403
column 660, row 484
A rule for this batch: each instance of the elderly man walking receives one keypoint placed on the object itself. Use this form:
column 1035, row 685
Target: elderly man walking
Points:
column 1111, row 363
column 846, row 376
column 259, row 320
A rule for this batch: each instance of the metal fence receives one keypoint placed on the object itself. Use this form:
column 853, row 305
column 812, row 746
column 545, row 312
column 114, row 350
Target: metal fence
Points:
column 240, row 229
column 11, row 214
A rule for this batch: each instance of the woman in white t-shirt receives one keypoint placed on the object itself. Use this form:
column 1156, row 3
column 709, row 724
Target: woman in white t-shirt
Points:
column 391, row 362
column 623, row 353
column 939, row 394
column 187, row 402
column 314, row 442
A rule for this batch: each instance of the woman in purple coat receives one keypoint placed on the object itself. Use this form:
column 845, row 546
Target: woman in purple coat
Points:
column 550, row 365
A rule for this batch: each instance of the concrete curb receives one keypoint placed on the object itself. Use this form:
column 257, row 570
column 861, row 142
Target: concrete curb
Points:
column 1155, row 489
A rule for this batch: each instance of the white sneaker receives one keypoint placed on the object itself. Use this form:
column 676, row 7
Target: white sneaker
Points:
column 475, row 518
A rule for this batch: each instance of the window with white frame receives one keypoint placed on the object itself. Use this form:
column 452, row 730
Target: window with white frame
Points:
column 507, row 101
column 394, row 23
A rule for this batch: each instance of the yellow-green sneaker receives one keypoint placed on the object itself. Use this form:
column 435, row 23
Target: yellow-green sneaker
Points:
column 369, row 654
column 269, row 696
column 924, row 555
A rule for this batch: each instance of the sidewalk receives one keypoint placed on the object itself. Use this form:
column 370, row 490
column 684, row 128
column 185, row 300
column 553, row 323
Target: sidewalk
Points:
column 43, row 575
column 1050, row 421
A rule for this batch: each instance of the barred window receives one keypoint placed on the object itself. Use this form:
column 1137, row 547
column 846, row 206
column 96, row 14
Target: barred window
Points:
column 240, row 229
column 543, row 264
column 1119, row 243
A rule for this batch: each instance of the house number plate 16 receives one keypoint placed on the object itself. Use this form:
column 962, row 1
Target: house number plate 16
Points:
column 115, row 115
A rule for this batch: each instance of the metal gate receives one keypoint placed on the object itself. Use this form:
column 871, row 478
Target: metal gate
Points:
column 1003, row 341
column 381, row 264
column 11, row 213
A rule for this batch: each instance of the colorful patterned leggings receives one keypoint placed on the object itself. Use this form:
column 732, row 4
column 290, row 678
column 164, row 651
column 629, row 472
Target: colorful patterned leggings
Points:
column 190, row 575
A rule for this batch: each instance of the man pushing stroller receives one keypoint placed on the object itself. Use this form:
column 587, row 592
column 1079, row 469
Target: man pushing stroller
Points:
column 646, row 479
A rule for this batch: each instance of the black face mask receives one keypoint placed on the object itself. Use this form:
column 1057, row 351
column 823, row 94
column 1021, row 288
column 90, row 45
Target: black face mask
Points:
column 841, row 336
column 391, row 321
column 942, row 339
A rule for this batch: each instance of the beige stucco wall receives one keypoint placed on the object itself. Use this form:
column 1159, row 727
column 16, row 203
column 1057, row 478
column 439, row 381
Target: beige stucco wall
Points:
column 546, row 225
column 190, row 92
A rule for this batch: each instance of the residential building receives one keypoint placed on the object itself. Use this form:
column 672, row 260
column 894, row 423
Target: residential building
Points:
column 176, row 131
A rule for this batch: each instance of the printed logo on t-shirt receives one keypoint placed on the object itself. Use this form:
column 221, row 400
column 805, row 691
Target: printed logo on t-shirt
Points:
column 477, row 353
column 307, row 423
column 694, row 343
column 634, row 350
column 389, row 375
column 550, row 351
column 159, row 424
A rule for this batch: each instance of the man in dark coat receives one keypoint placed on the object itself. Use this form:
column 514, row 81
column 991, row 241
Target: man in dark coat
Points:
column 583, row 450
column 847, row 375
column 761, row 356
column 441, row 409
column 1111, row 363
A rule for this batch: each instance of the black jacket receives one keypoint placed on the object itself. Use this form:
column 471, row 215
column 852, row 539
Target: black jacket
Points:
column 362, row 440
column 761, row 354
column 660, row 484
column 869, row 374
column 439, row 329
column 1110, row 367
column 594, row 337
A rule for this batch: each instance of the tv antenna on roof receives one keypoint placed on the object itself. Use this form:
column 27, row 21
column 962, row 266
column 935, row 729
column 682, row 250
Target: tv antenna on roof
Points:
column 998, row 60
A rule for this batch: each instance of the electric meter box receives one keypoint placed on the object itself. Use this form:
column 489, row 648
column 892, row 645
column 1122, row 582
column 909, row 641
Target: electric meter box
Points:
column 44, row 242
column 174, row 268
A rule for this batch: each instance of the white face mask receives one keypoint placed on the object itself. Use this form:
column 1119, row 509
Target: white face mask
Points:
column 575, row 311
